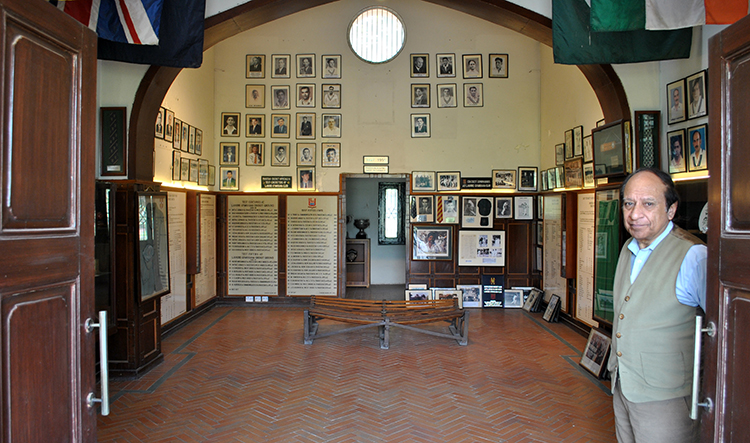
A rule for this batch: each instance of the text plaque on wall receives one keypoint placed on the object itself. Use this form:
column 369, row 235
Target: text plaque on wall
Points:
column 253, row 245
column 205, row 282
column 311, row 245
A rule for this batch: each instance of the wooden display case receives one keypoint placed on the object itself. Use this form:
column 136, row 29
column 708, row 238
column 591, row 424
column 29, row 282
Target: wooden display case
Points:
column 358, row 262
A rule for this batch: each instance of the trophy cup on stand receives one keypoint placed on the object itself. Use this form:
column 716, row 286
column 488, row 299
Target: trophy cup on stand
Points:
column 361, row 224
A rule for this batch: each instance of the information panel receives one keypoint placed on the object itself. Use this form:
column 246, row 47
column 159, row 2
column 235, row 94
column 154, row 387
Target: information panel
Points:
column 553, row 282
column 585, row 277
column 311, row 245
column 175, row 303
column 205, row 282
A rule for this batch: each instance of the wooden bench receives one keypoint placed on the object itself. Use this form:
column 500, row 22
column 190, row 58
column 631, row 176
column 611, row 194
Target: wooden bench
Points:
column 386, row 314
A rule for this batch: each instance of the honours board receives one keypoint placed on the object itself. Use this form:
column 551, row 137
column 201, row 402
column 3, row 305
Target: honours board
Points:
column 311, row 245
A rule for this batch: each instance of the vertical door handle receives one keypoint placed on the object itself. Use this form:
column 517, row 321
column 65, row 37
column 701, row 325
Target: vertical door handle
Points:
column 103, row 359
column 699, row 330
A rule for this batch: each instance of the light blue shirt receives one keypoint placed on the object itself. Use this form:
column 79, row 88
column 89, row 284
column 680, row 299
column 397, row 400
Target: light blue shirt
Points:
column 691, row 280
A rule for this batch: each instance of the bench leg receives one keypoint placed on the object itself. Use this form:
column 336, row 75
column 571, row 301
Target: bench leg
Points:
column 464, row 323
column 311, row 327
column 385, row 338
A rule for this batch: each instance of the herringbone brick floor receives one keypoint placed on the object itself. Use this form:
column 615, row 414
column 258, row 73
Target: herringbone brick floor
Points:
column 244, row 375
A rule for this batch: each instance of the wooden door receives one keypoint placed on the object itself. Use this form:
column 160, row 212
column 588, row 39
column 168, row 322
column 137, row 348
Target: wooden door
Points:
column 46, row 224
column 726, row 378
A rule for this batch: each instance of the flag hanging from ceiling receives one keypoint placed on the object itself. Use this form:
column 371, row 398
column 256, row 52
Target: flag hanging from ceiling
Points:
column 574, row 42
column 126, row 21
column 631, row 15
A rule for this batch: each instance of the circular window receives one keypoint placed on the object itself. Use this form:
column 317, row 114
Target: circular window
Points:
column 377, row 35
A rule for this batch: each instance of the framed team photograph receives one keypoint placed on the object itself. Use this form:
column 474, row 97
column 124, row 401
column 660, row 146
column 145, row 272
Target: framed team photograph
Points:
column 184, row 169
column 305, row 95
column 168, row 125
column 446, row 96
column 574, row 172
column 420, row 125
column 255, row 153
column 473, row 95
column 280, row 97
column 419, row 65
column 330, row 96
column 230, row 178
column 330, row 155
column 306, row 179
column 472, row 295
column 676, row 101
column 446, row 65
column 305, row 65
column 280, row 154
column 229, row 151
column 331, row 66
column 331, row 125
column 230, row 124
column 448, row 294
column 698, row 153
column 255, row 96
column 280, row 125
column 504, row 207
column 697, row 97
column 417, row 294
column 281, row 65
column 255, row 66
column 159, row 128
column 432, row 242
column 503, row 179
column 472, row 65
column 420, row 95
column 448, row 181
column 523, row 208
column 527, row 178
column 306, row 125
column 305, row 154
column 198, row 142
column 594, row 356
column 254, row 125
column 498, row 65
column 423, row 181
column 193, row 171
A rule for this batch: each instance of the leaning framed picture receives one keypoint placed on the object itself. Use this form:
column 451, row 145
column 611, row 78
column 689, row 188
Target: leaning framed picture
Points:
column 594, row 357
column 523, row 207
column 481, row 248
column 609, row 150
column 153, row 244
column 448, row 294
column 553, row 309
column 697, row 97
column 423, row 181
column 676, row 101
column 418, row 294
column 472, row 295
column 513, row 298
column 420, row 125
column 527, row 178
column 432, row 242
column 698, row 149
column 448, row 181
column 503, row 179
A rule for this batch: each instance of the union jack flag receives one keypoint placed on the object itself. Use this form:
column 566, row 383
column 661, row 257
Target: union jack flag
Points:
column 126, row 21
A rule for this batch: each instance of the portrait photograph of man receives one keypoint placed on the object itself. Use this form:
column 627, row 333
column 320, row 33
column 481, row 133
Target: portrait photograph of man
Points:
column 305, row 96
column 306, row 126
column 254, row 154
column 254, row 125
column 280, row 124
column 696, row 95
column 229, row 179
column 331, row 125
column 331, row 66
column 279, row 154
column 446, row 65
column 420, row 96
column 698, row 155
column 255, row 96
column 446, row 96
column 498, row 65
column 229, row 153
column 331, row 153
column 305, row 65
column 472, row 64
column 255, row 64
column 331, row 95
column 419, row 65
column 420, row 125
column 230, row 122
column 676, row 101
column 280, row 66
column 305, row 154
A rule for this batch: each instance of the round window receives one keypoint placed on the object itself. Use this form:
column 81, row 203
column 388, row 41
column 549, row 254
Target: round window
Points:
column 377, row 35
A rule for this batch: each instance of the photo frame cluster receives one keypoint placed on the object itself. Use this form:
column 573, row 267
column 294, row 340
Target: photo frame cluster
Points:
column 187, row 148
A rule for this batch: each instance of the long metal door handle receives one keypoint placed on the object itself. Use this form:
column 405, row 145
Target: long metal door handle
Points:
column 699, row 330
column 103, row 359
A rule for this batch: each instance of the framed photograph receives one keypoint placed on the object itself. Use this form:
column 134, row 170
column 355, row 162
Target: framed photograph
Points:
column 504, row 207
column 609, row 150
column 527, row 178
column 477, row 212
column 574, row 172
column 588, row 175
column 540, row 227
column 559, row 154
column 305, row 154
column 446, row 95
column 305, row 65
column 255, row 66
column 503, row 179
column 578, row 141
column 432, row 242
column 420, row 95
column 159, row 127
column 177, row 140
column 553, row 309
column 280, row 125
column 229, row 151
column 524, row 208
column 551, row 178
column 676, row 101
column 305, row 95
column 306, row 125
column 697, row 95
column 560, row 176
column 202, row 172
column 473, row 95
column 446, row 209
column 513, row 298
column 448, row 294
column 330, row 155
column 698, row 148
column 255, row 96
column 543, row 180
column 331, row 96
column 588, row 149
column 113, row 155
column 281, row 64
column 254, row 125
column 419, row 65
column 153, row 245
column 280, row 97
column 255, row 153
column 184, row 169
column 230, row 124
column 168, row 125
column 306, row 179
column 198, row 142
column 421, row 209
column 185, row 137
column 191, row 140
column 647, row 139
column 568, row 144
column 211, row 175
column 420, row 125
column 472, row 295
column 533, row 300
column 331, row 125
column 594, row 357
column 418, row 294
column 446, row 65
column 676, row 140
column 498, row 65
column 331, row 66
column 448, row 181
column 193, row 171
column 176, row 165
column 481, row 248
column 423, row 181
column 230, row 178
column 280, row 154
column 472, row 64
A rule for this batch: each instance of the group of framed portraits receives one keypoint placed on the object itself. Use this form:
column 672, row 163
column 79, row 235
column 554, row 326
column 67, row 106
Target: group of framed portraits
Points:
column 574, row 165
column 446, row 95
column 687, row 148
column 428, row 181
column 687, row 98
column 188, row 139
column 281, row 154
column 303, row 95
column 280, row 125
column 688, row 153
column 470, row 296
column 471, row 65
column 195, row 170
column 475, row 211
column 281, row 66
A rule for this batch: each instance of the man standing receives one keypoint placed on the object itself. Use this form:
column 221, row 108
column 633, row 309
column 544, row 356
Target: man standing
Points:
column 660, row 280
